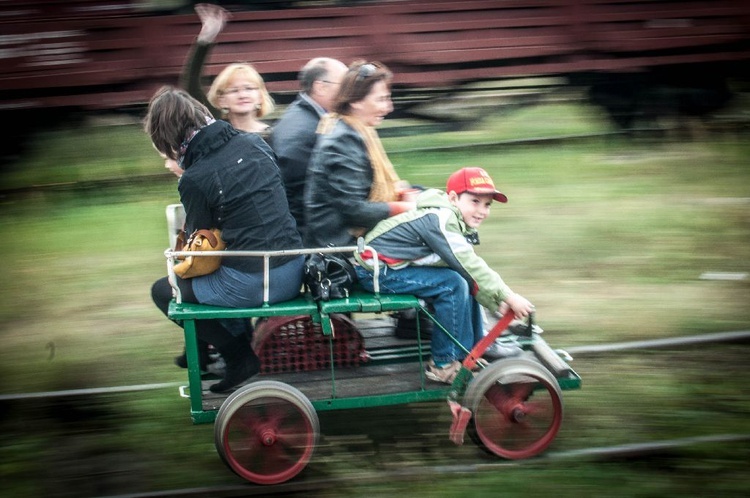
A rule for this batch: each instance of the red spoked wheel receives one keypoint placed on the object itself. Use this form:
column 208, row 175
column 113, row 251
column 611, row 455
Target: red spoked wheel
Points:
column 266, row 432
column 516, row 407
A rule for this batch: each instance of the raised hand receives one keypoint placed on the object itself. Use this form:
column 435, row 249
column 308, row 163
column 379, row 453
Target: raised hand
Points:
column 213, row 18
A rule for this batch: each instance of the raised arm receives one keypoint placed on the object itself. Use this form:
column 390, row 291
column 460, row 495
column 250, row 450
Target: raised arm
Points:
column 213, row 18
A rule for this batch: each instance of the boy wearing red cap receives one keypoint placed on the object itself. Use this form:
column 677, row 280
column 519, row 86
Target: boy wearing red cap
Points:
column 429, row 252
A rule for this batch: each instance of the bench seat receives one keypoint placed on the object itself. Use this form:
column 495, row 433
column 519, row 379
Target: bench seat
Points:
column 363, row 301
column 360, row 301
column 302, row 305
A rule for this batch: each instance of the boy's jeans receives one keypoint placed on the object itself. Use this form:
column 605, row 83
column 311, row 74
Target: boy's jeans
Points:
column 448, row 292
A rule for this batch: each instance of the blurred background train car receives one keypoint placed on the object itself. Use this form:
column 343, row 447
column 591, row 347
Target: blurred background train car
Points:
column 635, row 58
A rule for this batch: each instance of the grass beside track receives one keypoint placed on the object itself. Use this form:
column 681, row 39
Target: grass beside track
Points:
column 609, row 239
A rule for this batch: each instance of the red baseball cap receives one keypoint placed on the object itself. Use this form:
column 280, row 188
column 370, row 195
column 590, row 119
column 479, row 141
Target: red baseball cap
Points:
column 475, row 181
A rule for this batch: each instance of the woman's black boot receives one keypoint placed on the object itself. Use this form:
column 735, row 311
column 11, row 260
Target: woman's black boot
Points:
column 205, row 359
column 241, row 364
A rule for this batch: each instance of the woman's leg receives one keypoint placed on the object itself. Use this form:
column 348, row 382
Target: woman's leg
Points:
column 290, row 276
column 241, row 361
column 161, row 293
column 247, row 291
column 235, row 289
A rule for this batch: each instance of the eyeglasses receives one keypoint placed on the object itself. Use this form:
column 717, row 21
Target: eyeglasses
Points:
column 246, row 88
column 331, row 82
column 366, row 70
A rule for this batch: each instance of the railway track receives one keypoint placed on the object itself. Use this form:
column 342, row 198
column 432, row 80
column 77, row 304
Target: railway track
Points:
column 394, row 458
column 717, row 337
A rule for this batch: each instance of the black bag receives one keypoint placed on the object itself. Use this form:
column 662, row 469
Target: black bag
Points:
column 329, row 276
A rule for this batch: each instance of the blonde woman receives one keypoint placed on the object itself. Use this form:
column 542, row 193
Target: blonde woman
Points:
column 238, row 94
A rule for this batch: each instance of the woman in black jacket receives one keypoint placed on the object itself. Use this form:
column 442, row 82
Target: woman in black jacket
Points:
column 230, row 182
column 351, row 184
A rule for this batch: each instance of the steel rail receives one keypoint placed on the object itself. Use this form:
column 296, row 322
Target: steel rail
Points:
column 88, row 392
column 737, row 336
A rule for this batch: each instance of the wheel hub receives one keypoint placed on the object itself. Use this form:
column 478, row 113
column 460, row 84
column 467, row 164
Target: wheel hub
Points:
column 518, row 414
column 268, row 437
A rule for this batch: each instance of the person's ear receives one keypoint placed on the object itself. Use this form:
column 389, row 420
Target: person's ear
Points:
column 453, row 197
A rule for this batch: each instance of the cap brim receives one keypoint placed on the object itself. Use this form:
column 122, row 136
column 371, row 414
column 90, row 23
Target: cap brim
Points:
column 498, row 196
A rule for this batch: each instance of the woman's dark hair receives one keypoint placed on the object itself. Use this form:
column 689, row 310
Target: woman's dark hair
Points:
column 172, row 117
column 358, row 82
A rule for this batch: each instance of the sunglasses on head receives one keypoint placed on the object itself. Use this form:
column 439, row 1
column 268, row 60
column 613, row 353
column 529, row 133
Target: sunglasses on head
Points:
column 366, row 70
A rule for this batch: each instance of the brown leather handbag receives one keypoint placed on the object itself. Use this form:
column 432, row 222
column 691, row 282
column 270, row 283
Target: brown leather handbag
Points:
column 200, row 240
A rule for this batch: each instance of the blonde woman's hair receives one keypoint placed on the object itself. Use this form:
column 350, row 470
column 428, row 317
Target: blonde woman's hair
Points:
column 221, row 82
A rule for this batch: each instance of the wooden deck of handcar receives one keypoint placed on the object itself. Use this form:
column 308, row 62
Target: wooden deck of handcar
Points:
column 393, row 367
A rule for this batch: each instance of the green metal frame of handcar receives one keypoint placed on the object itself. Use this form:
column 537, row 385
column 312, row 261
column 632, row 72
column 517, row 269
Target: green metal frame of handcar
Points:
column 358, row 302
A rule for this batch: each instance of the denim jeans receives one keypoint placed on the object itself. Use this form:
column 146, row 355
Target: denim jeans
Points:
column 456, row 310
column 235, row 289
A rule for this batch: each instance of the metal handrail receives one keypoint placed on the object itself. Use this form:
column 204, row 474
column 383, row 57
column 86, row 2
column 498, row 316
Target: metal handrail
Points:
column 172, row 255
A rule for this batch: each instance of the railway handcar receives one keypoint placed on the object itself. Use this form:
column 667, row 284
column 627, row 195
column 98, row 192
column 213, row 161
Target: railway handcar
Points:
column 316, row 356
